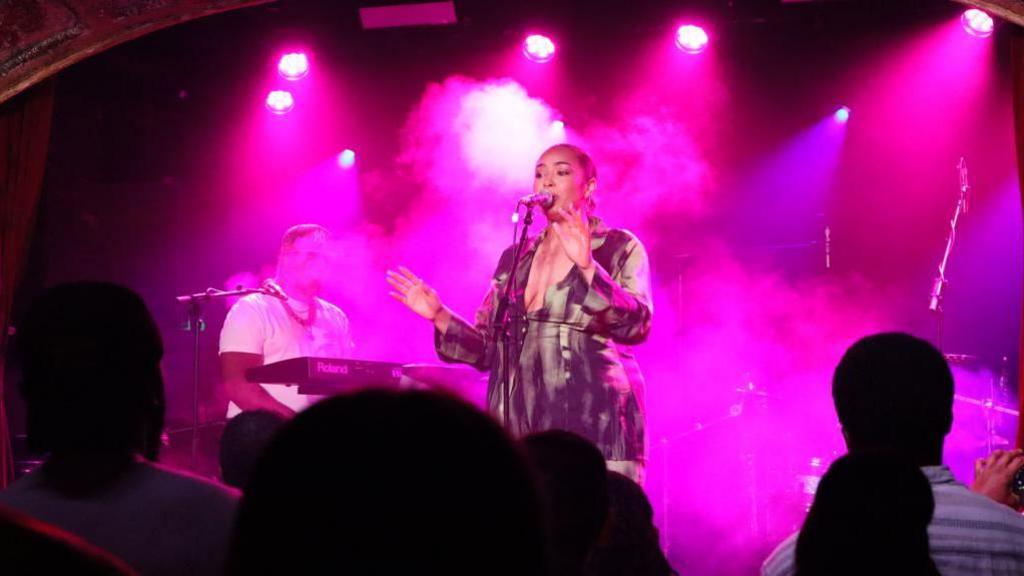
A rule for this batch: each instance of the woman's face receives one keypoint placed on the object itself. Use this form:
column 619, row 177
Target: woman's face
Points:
column 559, row 173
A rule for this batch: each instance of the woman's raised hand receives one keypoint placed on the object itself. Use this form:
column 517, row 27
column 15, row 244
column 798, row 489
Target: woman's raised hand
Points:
column 414, row 293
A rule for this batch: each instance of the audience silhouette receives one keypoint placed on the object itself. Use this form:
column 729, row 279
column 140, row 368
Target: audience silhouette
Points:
column 870, row 516
column 574, row 485
column 244, row 438
column 94, row 395
column 386, row 482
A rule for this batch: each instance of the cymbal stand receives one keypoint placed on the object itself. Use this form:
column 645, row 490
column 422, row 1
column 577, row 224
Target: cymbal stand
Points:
column 939, row 285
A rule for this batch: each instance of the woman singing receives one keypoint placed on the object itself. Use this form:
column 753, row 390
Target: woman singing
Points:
column 583, row 292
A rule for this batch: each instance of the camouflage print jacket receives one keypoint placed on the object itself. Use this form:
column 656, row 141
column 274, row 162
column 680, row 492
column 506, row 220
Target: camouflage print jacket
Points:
column 576, row 370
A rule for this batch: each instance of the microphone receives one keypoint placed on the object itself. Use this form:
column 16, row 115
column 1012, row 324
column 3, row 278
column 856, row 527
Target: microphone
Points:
column 936, row 299
column 828, row 248
column 965, row 187
column 270, row 288
column 542, row 199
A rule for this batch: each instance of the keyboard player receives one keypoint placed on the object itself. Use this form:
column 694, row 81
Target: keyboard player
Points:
column 264, row 328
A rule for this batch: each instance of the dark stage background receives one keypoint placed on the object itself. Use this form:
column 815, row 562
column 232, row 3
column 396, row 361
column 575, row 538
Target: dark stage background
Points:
column 166, row 173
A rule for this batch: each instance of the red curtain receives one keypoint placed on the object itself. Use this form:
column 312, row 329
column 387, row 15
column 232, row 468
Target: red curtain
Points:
column 1017, row 56
column 24, row 138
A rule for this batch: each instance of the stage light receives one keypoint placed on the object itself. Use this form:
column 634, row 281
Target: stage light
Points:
column 293, row 66
column 977, row 23
column 538, row 48
column 557, row 130
column 347, row 158
column 842, row 115
column 691, row 39
column 280, row 102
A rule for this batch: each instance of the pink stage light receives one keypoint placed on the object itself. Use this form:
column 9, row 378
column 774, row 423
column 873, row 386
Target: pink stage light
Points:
column 280, row 102
column 977, row 23
column 347, row 158
column 691, row 39
column 842, row 115
column 538, row 48
column 293, row 66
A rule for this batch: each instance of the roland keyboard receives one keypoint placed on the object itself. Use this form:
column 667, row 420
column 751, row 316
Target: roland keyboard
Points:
column 323, row 376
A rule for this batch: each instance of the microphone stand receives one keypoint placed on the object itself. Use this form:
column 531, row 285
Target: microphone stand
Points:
column 196, row 325
column 939, row 286
column 507, row 318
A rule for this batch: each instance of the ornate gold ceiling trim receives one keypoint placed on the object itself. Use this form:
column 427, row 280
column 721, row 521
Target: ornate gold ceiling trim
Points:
column 39, row 38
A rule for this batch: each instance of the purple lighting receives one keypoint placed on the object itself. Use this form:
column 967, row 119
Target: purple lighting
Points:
column 977, row 23
column 691, row 39
column 347, row 158
column 842, row 115
column 539, row 48
column 293, row 66
column 280, row 102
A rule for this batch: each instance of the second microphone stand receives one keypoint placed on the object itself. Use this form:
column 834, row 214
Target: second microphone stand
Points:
column 196, row 325
column 939, row 286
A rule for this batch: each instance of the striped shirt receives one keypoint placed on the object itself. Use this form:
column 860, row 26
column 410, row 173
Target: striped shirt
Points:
column 970, row 534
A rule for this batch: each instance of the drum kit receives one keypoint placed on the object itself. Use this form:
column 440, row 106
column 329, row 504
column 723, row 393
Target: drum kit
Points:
column 985, row 414
column 777, row 475
column 773, row 471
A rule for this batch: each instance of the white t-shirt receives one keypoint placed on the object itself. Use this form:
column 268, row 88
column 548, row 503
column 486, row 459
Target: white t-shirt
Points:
column 259, row 324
